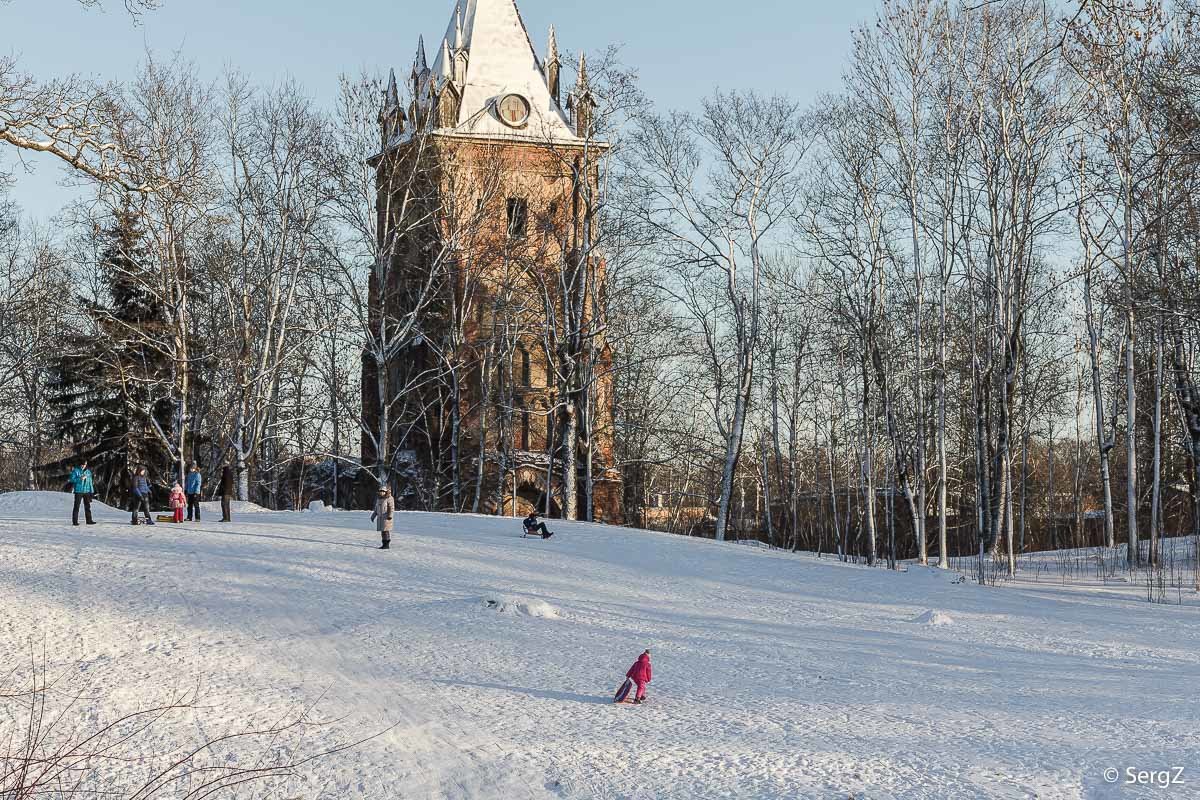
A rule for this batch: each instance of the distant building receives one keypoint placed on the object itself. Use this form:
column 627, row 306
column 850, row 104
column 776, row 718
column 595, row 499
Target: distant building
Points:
column 493, row 147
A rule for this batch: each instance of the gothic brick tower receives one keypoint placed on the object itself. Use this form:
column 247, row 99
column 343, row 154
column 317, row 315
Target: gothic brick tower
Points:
column 497, row 396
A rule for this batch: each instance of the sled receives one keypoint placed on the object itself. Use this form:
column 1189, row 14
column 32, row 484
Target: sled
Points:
column 165, row 518
column 623, row 692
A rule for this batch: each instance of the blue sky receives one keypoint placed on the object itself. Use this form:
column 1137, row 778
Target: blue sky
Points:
column 682, row 49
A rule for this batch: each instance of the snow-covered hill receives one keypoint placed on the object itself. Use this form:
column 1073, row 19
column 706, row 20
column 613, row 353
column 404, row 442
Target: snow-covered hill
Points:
column 775, row 676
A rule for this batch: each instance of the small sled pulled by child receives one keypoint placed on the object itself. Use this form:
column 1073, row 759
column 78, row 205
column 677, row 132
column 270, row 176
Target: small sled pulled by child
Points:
column 638, row 675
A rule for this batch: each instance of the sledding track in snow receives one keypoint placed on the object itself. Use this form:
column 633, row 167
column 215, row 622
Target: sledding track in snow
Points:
column 776, row 676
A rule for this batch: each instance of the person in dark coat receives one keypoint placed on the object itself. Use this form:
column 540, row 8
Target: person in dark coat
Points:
column 84, row 488
column 191, row 487
column 226, row 492
column 533, row 527
column 141, row 496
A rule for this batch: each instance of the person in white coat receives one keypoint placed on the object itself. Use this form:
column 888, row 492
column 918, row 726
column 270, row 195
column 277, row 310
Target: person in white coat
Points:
column 385, row 510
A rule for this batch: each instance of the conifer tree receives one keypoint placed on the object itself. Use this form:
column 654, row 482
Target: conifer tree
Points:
column 107, row 388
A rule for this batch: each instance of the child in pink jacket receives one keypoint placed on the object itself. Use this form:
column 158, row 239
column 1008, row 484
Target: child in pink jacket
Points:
column 640, row 674
column 178, row 501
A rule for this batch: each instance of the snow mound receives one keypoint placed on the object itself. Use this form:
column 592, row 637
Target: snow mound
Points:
column 523, row 606
column 934, row 619
column 51, row 504
column 246, row 507
column 319, row 507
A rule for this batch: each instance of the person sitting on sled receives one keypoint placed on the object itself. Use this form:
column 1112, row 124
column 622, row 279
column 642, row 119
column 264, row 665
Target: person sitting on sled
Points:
column 533, row 527
column 178, row 501
column 640, row 674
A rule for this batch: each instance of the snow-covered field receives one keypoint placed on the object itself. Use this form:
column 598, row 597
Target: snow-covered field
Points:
column 776, row 676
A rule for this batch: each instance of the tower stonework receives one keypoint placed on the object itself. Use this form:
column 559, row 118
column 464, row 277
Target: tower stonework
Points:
column 486, row 182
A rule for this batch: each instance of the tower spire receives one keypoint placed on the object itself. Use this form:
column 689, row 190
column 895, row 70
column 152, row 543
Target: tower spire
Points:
column 583, row 103
column 391, row 118
column 487, row 42
column 581, row 85
column 391, row 99
column 445, row 69
column 459, row 38
column 420, row 64
column 553, row 67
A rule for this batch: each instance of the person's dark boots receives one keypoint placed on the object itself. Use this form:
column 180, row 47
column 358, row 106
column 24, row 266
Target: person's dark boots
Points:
column 387, row 543
column 547, row 535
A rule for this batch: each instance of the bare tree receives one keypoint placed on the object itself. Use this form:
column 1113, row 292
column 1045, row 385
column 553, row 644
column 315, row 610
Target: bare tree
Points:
column 1018, row 114
column 848, row 226
column 1113, row 55
column 44, row 754
column 277, row 190
column 399, row 245
column 715, row 187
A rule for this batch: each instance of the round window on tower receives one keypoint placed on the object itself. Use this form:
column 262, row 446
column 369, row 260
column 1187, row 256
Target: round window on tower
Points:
column 513, row 110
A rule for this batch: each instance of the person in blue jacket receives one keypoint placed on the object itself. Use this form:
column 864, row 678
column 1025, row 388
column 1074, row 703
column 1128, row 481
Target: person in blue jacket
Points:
column 84, row 487
column 141, row 496
column 191, row 487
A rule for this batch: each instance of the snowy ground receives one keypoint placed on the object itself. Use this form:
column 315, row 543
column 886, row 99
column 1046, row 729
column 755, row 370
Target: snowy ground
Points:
column 776, row 676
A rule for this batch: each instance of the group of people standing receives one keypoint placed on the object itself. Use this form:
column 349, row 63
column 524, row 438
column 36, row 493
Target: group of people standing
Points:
column 185, row 495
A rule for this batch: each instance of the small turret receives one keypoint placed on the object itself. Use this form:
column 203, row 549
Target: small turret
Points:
column 445, row 67
column 444, row 89
column 460, row 39
column 420, row 67
column 391, row 116
column 553, row 67
column 583, row 103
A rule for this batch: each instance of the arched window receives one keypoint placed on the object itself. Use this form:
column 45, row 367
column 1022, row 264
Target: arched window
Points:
column 526, row 368
column 518, row 217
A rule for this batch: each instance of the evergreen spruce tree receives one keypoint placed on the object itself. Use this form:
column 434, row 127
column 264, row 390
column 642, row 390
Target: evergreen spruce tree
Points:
column 111, row 384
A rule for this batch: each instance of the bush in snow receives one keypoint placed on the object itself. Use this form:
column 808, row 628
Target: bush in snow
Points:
column 934, row 619
column 138, row 755
column 524, row 606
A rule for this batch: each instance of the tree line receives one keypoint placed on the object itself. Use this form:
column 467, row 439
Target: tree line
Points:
column 947, row 309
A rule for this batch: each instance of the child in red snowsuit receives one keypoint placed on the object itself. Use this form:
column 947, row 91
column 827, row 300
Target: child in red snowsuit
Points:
column 178, row 501
column 640, row 674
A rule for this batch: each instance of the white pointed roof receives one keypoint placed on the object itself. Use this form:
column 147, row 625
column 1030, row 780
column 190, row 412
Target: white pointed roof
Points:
column 445, row 67
column 500, row 60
